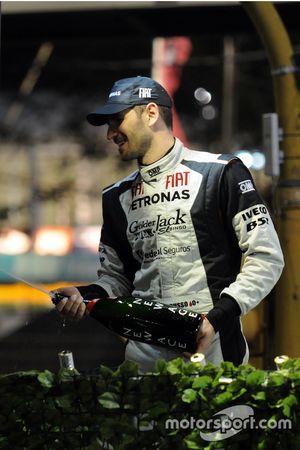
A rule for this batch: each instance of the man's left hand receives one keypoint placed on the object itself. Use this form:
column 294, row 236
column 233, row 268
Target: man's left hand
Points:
column 205, row 336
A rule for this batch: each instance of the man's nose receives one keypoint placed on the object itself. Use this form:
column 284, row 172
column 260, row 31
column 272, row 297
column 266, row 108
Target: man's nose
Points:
column 111, row 132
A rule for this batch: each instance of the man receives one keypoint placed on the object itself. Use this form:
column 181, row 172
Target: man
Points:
column 176, row 229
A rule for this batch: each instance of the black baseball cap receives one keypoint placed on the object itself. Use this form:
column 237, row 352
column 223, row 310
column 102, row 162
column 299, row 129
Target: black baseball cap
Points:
column 129, row 92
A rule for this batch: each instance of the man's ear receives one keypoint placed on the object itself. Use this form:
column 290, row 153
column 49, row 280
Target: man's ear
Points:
column 152, row 113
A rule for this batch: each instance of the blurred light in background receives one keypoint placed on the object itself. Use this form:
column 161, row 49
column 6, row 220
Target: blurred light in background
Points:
column 50, row 240
column 87, row 237
column 53, row 240
column 202, row 96
column 255, row 160
column 259, row 160
column 14, row 242
column 209, row 112
column 246, row 157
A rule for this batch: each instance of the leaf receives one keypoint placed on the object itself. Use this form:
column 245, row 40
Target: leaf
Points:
column 228, row 367
column 191, row 444
column 189, row 395
column 260, row 396
column 65, row 375
column 64, row 402
column 238, row 394
column 160, row 365
column 218, row 375
column 191, row 441
column 276, row 379
column 158, row 409
column 128, row 368
column 220, row 399
column 255, row 378
column 46, row 379
column 105, row 372
column 108, row 400
column 175, row 366
column 244, row 370
column 202, row 382
column 263, row 445
column 287, row 403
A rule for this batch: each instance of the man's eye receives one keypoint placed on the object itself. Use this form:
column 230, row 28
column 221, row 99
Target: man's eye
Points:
column 116, row 122
column 119, row 119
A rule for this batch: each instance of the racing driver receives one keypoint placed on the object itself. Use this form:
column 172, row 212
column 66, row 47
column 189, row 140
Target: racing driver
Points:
column 187, row 228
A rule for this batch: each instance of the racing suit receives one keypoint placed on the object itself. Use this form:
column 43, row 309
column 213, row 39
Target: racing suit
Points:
column 176, row 231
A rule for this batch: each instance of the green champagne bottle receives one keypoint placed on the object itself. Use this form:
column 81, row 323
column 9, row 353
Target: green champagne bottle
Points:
column 146, row 321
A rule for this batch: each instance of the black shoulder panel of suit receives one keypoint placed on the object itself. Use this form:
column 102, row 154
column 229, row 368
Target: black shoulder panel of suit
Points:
column 232, row 201
column 217, row 243
column 227, row 157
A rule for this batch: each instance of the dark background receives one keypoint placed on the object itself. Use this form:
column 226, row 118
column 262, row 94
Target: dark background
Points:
column 94, row 48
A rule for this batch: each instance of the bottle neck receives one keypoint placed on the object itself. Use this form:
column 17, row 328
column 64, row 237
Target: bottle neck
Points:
column 91, row 303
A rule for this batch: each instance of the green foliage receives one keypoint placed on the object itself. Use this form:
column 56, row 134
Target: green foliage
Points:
column 123, row 410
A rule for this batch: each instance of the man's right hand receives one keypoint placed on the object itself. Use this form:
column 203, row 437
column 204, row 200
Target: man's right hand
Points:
column 71, row 307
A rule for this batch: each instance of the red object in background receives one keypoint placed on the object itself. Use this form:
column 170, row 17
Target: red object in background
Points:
column 169, row 56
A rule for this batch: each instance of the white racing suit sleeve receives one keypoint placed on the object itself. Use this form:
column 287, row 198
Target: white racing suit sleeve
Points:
column 117, row 265
column 111, row 274
column 263, row 259
column 249, row 220
column 112, row 280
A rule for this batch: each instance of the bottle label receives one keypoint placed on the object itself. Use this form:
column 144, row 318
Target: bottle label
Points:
column 169, row 342
column 157, row 305
column 147, row 337
column 154, row 305
column 183, row 312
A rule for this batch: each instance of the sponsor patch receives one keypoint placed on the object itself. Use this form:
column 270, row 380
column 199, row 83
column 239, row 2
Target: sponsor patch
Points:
column 255, row 217
column 115, row 94
column 255, row 211
column 154, row 171
column 137, row 189
column 145, row 92
column 148, row 228
column 246, row 186
column 186, row 304
column 160, row 198
column 177, row 179
column 257, row 223
column 162, row 252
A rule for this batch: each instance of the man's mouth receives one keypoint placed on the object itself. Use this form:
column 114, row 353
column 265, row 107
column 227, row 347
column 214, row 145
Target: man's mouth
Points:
column 121, row 142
